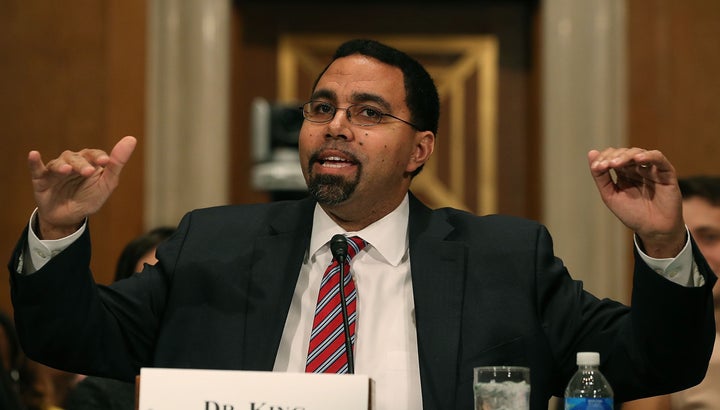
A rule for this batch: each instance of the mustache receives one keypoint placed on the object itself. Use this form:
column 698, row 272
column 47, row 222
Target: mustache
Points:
column 315, row 156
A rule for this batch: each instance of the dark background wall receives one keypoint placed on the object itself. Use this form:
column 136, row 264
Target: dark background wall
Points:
column 72, row 75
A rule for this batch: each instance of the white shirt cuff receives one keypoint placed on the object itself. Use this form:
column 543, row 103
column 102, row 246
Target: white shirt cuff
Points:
column 41, row 251
column 681, row 269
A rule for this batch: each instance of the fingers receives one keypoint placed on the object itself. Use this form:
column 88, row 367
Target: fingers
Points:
column 85, row 162
column 602, row 161
column 35, row 163
column 631, row 165
column 38, row 169
column 120, row 154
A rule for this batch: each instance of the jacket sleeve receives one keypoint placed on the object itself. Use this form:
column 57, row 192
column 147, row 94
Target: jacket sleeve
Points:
column 67, row 321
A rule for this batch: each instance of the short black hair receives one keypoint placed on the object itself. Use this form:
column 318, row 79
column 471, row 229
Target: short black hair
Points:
column 421, row 95
column 137, row 248
column 702, row 186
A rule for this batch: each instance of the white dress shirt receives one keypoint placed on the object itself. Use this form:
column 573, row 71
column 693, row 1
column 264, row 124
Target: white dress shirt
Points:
column 386, row 340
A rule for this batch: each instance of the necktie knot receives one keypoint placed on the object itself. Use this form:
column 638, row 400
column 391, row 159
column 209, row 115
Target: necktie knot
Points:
column 355, row 245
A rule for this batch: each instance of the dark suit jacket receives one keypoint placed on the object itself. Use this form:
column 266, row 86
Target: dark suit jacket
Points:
column 487, row 290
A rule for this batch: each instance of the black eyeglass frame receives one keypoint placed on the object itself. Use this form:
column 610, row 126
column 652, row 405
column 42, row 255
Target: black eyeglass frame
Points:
column 335, row 109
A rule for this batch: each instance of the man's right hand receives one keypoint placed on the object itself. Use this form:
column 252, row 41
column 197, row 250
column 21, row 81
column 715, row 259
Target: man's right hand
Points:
column 75, row 185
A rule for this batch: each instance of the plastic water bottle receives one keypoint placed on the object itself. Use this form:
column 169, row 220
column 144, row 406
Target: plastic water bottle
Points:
column 588, row 389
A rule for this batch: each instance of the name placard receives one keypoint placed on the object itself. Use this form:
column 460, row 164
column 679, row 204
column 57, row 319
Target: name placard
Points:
column 192, row 389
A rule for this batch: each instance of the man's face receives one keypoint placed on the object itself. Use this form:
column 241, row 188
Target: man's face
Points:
column 703, row 220
column 368, row 166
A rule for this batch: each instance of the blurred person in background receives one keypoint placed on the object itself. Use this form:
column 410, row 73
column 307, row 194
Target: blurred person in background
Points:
column 26, row 384
column 11, row 358
column 140, row 251
column 45, row 388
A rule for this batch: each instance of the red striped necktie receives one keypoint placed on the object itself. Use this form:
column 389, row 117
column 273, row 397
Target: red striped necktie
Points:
column 326, row 353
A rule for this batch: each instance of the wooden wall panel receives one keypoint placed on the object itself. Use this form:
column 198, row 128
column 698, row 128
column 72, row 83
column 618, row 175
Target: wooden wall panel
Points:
column 674, row 61
column 673, row 82
column 72, row 76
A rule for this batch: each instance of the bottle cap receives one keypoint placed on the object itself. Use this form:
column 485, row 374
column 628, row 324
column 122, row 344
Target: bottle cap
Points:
column 588, row 358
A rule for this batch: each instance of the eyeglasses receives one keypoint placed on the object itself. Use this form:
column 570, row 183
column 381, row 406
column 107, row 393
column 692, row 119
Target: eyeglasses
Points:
column 358, row 114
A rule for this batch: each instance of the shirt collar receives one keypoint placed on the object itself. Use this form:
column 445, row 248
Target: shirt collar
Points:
column 387, row 235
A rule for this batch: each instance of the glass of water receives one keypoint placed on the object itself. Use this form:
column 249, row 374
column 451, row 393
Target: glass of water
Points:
column 502, row 388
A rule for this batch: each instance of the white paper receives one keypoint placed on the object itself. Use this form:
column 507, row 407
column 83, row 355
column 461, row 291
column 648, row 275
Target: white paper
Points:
column 192, row 389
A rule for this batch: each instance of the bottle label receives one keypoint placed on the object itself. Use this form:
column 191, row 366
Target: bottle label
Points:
column 582, row 403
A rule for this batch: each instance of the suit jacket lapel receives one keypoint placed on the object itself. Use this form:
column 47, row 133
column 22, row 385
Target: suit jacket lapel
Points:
column 438, row 273
column 277, row 261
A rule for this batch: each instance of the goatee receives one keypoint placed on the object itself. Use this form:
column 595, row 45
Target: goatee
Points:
column 331, row 189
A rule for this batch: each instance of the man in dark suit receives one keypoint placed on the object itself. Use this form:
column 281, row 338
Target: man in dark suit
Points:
column 438, row 291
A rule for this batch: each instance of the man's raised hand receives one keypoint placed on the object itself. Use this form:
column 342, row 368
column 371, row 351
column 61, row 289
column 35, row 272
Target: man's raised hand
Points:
column 75, row 185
